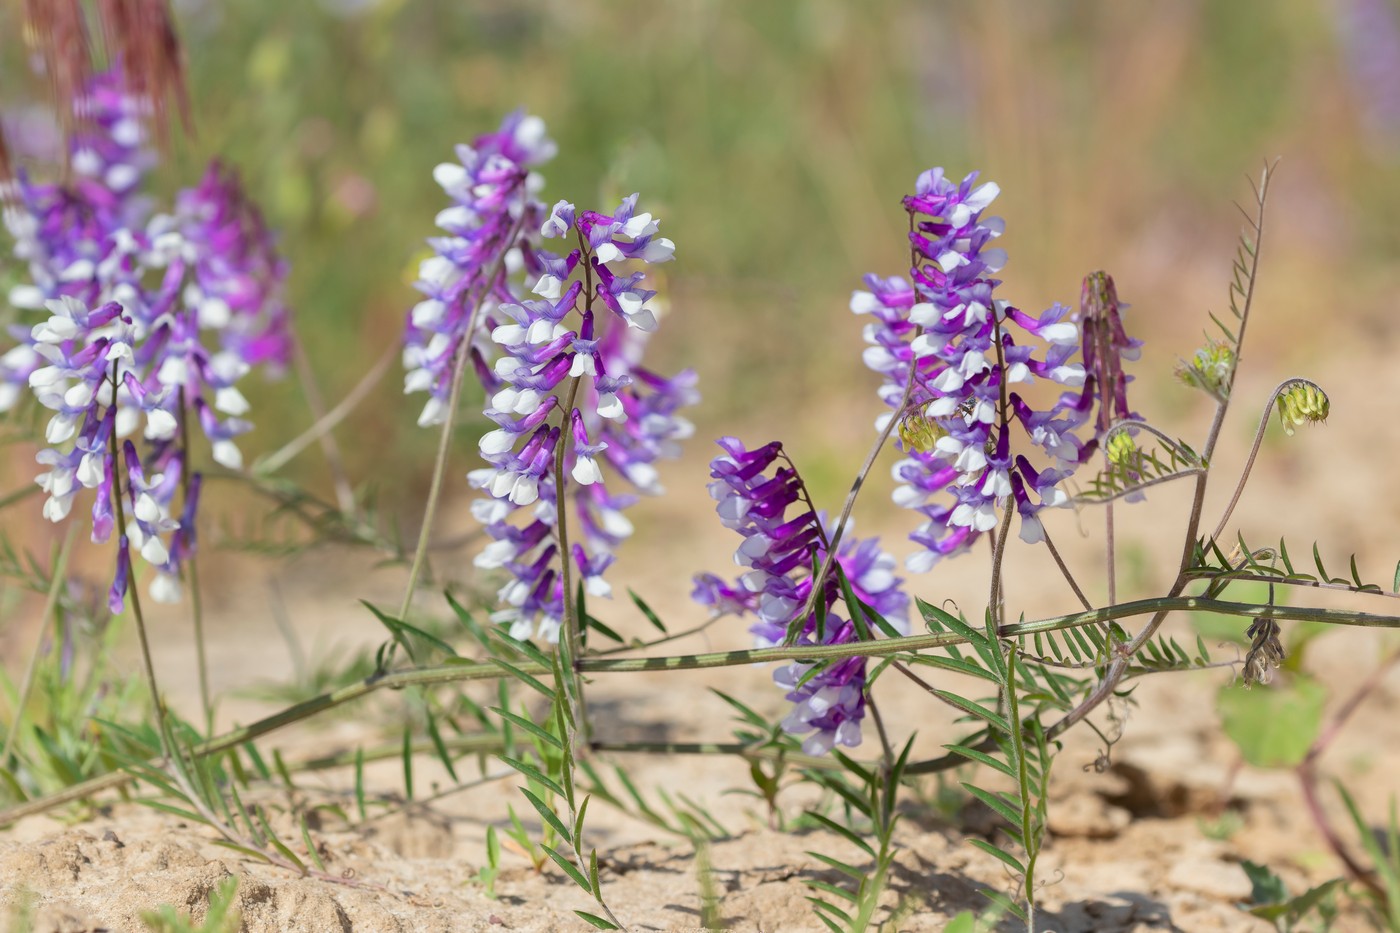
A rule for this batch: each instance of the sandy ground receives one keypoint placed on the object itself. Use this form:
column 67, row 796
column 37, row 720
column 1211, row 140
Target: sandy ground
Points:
column 1128, row 850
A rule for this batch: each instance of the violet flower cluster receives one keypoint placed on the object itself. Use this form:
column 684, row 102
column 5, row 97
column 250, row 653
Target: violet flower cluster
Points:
column 948, row 341
column 492, row 217
column 153, row 320
column 779, row 553
column 563, row 367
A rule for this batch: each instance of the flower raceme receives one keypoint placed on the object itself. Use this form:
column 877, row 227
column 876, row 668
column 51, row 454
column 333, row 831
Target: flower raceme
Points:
column 556, row 342
column 947, row 342
column 574, row 350
column 153, row 318
column 493, row 216
column 779, row 553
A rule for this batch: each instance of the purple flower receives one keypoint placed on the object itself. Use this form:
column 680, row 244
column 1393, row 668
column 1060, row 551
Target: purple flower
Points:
column 565, row 342
column 778, row 553
column 494, row 212
column 152, row 317
column 948, row 337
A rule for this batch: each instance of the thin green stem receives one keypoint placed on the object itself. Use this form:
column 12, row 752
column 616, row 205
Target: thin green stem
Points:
column 998, row 597
column 1118, row 667
column 840, row 529
column 1069, row 577
column 461, row 673
column 57, row 580
column 459, row 365
column 344, row 493
column 133, row 590
column 573, row 625
column 1254, row 450
column 327, row 422
column 19, row 495
column 751, row 752
column 190, row 567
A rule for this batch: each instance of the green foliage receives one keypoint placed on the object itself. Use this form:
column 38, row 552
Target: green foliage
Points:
column 1273, row 727
column 1269, row 899
column 221, row 917
column 1382, row 847
column 868, row 797
column 549, row 768
column 1132, row 469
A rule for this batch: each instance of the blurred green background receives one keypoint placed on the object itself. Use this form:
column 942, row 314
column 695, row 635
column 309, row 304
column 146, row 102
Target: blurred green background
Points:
column 773, row 139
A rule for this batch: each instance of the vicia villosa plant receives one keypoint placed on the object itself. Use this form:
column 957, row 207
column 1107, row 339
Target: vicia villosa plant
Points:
column 134, row 324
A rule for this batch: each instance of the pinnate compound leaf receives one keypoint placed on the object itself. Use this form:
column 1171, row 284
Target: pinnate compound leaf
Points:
column 568, row 868
column 1000, row 855
column 546, row 813
column 596, row 920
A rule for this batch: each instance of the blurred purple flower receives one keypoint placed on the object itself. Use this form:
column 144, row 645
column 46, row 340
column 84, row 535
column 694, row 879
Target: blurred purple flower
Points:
column 493, row 216
column 1369, row 31
column 153, row 317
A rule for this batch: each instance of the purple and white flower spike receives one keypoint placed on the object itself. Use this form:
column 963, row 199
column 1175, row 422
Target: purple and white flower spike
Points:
column 948, row 338
column 170, row 309
column 493, row 215
column 779, row 553
column 559, row 365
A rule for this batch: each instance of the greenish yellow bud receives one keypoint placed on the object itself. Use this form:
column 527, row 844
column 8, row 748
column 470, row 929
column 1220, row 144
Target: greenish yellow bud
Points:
column 1211, row 369
column 919, row 432
column 1302, row 403
column 1122, row 450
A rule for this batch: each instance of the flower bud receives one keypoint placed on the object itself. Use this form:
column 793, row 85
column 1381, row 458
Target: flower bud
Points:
column 1211, row 369
column 1302, row 403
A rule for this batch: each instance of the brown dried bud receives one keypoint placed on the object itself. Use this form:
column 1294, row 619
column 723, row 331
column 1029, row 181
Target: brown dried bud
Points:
column 6, row 172
column 1265, row 652
column 58, row 32
column 143, row 45
column 1105, row 346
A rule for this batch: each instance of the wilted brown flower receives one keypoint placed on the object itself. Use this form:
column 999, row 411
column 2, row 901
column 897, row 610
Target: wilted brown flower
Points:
column 57, row 30
column 6, row 173
column 1265, row 652
column 141, row 41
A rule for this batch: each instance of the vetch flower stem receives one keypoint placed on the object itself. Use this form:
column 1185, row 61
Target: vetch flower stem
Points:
column 1110, row 546
column 1254, row 450
column 1119, row 666
column 462, row 673
column 133, row 592
column 1065, row 572
column 19, row 495
column 58, row 579
column 344, row 493
column 573, row 625
column 997, row 598
column 327, row 422
column 425, row 532
column 191, row 564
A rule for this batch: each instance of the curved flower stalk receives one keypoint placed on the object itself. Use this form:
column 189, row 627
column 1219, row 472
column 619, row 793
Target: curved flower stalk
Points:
column 494, row 212
column 574, row 351
column 951, row 343
column 779, row 553
column 195, row 295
